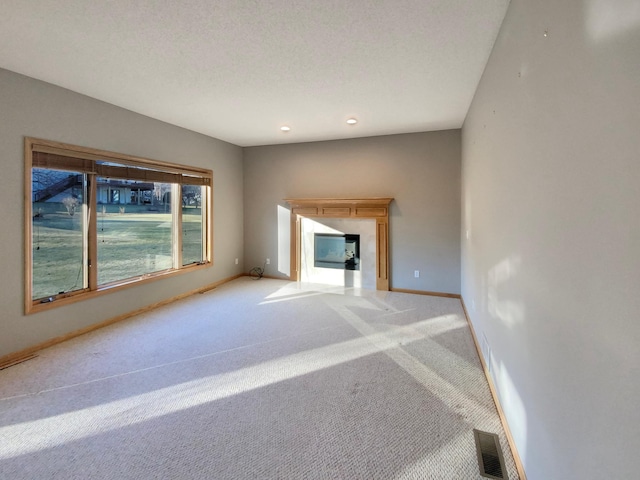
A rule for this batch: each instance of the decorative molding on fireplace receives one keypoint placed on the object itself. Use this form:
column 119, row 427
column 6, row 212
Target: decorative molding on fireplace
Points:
column 373, row 207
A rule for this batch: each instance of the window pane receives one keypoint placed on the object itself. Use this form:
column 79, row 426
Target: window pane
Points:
column 134, row 228
column 57, row 232
column 192, row 224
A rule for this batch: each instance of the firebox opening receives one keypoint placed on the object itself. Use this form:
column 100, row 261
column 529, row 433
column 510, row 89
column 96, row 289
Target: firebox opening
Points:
column 337, row 251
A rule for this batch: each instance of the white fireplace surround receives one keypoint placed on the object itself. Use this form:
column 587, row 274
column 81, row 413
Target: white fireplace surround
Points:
column 365, row 277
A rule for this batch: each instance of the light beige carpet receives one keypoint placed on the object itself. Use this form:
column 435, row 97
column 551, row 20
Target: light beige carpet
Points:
column 257, row 379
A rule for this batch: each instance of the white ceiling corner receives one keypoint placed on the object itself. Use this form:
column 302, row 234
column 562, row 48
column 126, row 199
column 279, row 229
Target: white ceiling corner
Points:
column 238, row 70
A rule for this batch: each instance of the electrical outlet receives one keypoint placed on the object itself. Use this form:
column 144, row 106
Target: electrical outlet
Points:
column 268, row 261
column 416, row 273
column 236, row 261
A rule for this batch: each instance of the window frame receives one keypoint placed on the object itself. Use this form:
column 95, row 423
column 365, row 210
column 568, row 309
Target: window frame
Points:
column 89, row 158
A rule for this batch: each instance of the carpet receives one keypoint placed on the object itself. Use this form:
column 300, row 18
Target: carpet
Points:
column 263, row 379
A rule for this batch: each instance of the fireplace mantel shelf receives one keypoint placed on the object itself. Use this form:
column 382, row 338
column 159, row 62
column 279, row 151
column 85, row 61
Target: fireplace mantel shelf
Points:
column 333, row 200
column 371, row 207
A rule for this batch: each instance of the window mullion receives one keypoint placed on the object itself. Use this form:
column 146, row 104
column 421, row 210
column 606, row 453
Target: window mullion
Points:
column 92, row 233
column 209, row 225
column 206, row 225
column 176, row 224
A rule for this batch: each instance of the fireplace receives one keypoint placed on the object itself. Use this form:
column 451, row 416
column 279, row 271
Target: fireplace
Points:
column 375, row 249
column 337, row 251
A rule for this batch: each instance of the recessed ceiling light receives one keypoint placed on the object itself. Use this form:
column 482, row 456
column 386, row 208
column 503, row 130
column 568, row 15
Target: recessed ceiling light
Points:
column 285, row 128
column 352, row 121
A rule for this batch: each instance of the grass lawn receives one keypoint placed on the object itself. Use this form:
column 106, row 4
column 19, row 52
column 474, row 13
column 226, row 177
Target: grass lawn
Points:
column 129, row 244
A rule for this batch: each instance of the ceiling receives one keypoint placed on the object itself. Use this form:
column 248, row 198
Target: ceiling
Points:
column 239, row 70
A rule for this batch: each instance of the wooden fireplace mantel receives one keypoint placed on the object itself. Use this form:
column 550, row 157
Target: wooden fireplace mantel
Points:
column 373, row 207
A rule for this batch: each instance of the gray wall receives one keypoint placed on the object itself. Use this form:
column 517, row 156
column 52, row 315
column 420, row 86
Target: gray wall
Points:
column 550, row 273
column 32, row 108
column 421, row 171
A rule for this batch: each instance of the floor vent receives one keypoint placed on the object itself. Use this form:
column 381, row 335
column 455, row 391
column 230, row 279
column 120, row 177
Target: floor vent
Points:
column 490, row 459
column 16, row 361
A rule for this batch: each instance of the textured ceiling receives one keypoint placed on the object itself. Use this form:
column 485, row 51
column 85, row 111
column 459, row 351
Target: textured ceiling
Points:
column 238, row 70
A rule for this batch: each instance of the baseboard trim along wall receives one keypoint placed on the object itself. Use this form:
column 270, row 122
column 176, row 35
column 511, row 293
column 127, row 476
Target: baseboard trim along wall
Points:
column 424, row 292
column 16, row 356
column 494, row 394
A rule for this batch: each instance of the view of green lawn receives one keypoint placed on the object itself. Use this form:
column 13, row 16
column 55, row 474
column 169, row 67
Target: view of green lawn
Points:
column 131, row 242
